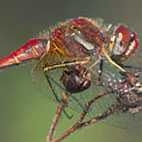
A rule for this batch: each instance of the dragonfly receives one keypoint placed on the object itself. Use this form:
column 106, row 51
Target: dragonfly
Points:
column 78, row 59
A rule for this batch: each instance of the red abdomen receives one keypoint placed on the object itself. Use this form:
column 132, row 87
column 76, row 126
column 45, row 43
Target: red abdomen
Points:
column 28, row 52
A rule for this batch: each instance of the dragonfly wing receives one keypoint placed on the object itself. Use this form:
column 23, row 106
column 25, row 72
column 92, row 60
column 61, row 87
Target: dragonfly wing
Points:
column 127, row 120
column 50, row 85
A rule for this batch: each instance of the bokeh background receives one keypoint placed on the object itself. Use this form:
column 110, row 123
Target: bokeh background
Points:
column 26, row 115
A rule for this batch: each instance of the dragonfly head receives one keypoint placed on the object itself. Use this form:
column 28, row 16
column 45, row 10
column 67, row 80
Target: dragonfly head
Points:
column 122, row 43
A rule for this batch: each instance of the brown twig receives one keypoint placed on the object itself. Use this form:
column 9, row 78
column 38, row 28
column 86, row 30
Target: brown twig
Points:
column 104, row 115
column 56, row 117
column 78, row 123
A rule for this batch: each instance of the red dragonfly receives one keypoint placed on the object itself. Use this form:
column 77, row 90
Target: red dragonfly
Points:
column 80, row 57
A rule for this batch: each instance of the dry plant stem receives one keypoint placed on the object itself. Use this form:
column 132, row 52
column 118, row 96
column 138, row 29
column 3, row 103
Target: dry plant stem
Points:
column 82, row 116
column 56, row 117
column 107, row 113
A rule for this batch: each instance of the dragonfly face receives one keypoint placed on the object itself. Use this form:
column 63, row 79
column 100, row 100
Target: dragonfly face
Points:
column 123, row 43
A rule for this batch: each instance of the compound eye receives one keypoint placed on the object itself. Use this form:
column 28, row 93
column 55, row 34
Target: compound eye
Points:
column 120, row 41
column 128, row 42
column 123, row 34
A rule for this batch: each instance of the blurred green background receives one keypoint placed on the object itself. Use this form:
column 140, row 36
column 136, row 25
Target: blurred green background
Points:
column 26, row 115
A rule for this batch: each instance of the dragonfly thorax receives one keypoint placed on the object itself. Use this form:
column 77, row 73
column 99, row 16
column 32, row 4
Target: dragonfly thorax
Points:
column 79, row 37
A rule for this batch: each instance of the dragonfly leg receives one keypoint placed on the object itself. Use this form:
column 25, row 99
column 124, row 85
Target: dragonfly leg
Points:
column 92, row 67
column 56, row 97
column 131, row 68
column 113, row 62
column 101, row 68
column 59, row 110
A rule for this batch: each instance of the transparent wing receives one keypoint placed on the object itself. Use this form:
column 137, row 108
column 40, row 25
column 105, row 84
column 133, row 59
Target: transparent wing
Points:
column 50, row 85
column 126, row 120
